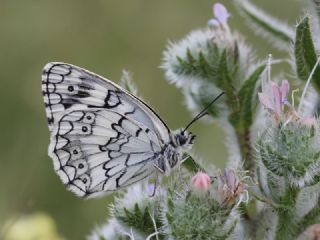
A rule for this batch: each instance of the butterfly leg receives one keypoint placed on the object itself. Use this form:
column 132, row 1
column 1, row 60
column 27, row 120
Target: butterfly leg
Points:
column 156, row 183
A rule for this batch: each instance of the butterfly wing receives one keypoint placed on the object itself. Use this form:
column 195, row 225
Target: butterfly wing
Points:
column 95, row 151
column 65, row 87
column 102, row 137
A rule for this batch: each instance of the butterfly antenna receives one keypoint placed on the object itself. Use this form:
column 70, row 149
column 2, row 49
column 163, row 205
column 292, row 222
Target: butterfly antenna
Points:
column 203, row 112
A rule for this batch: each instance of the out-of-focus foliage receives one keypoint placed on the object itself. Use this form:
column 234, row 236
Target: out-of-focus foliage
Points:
column 29, row 227
column 105, row 37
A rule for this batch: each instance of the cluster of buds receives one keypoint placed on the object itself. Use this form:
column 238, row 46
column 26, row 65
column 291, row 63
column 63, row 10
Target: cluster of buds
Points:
column 226, row 191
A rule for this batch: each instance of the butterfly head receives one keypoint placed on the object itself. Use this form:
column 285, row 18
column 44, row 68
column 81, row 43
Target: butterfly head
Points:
column 184, row 139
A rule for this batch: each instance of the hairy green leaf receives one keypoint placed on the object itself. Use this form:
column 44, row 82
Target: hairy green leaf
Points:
column 305, row 53
column 246, row 94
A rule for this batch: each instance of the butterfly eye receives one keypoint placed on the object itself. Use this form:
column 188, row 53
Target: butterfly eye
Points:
column 182, row 139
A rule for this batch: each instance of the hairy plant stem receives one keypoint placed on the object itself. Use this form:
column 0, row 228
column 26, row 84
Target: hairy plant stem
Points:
column 286, row 216
column 244, row 139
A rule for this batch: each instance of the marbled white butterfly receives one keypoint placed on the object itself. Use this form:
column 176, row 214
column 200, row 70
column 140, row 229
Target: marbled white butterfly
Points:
column 102, row 137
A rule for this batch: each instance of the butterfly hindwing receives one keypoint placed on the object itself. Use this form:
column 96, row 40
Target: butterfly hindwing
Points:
column 67, row 87
column 98, row 150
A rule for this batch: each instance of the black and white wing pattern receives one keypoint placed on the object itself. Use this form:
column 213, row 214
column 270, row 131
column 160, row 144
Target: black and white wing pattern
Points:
column 95, row 151
column 102, row 137
column 65, row 86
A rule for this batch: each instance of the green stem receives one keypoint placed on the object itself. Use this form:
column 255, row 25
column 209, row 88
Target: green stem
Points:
column 243, row 137
column 286, row 221
column 246, row 150
column 244, row 141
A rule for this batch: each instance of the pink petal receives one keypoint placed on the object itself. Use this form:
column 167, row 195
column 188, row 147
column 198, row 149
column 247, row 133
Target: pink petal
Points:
column 284, row 91
column 221, row 182
column 231, row 179
column 277, row 97
column 265, row 101
column 201, row 181
column 221, row 13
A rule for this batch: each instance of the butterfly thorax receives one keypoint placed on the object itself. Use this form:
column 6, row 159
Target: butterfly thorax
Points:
column 173, row 151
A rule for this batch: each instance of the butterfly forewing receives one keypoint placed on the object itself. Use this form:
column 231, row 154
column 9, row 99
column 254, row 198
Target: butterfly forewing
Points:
column 66, row 86
column 102, row 137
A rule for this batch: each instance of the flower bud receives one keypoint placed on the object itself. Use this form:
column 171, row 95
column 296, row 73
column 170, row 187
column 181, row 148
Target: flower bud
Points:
column 201, row 181
column 229, row 187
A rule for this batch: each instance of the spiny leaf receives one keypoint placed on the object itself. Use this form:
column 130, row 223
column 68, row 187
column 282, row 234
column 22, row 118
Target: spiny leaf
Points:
column 137, row 211
column 190, row 58
column 204, row 65
column 305, row 53
column 246, row 94
column 138, row 218
column 223, row 76
column 198, row 63
column 185, row 67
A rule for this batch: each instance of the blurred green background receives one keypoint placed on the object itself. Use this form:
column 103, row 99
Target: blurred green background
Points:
column 104, row 36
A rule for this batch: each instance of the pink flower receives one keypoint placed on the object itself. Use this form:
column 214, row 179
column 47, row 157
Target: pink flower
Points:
column 275, row 103
column 229, row 187
column 221, row 15
column 201, row 181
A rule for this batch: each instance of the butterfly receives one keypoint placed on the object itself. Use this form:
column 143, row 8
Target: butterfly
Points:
column 102, row 137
